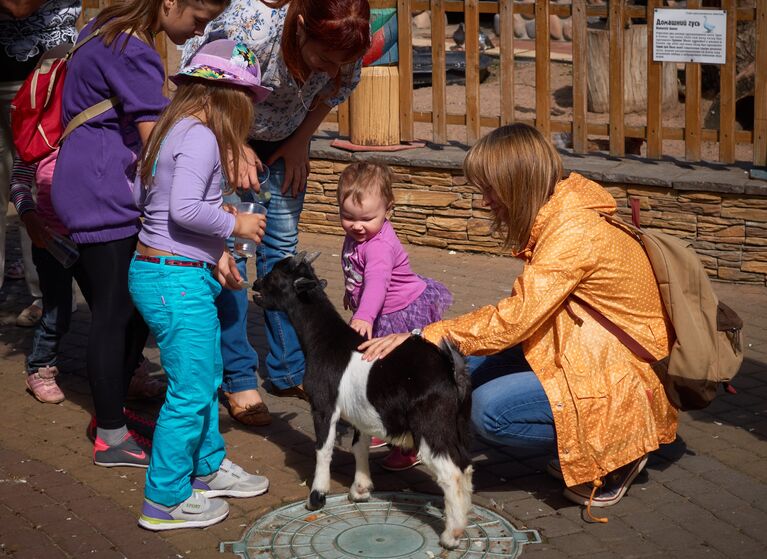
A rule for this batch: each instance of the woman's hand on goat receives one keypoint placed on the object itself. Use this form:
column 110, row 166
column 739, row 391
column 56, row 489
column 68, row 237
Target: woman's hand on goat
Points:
column 378, row 348
column 362, row 327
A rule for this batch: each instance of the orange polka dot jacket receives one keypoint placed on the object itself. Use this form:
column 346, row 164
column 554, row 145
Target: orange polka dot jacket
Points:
column 609, row 407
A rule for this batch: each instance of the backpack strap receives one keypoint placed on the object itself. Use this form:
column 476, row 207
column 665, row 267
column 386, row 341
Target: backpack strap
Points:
column 87, row 114
column 624, row 337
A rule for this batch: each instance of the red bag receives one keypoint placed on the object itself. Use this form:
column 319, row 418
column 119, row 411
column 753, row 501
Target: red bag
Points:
column 36, row 108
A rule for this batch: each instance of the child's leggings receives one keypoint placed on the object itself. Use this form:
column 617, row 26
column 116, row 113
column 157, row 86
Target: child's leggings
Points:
column 178, row 304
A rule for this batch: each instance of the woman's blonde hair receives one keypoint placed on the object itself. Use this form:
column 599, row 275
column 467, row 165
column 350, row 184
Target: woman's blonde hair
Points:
column 519, row 168
column 359, row 179
column 227, row 110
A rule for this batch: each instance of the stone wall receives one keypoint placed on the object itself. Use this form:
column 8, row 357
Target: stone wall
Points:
column 435, row 207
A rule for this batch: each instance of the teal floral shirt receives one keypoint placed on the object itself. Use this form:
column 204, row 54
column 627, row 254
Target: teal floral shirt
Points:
column 260, row 28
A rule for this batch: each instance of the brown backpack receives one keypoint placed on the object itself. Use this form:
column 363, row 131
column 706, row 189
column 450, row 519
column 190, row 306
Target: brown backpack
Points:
column 708, row 337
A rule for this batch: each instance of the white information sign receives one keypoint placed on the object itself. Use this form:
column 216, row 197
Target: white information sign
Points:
column 689, row 36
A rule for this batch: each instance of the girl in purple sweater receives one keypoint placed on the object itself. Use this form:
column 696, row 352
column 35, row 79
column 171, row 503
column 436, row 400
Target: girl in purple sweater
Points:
column 92, row 186
column 174, row 283
column 384, row 294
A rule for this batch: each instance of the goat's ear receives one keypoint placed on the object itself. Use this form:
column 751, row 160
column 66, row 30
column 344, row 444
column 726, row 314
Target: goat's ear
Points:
column 311, row 257
column 303, row 285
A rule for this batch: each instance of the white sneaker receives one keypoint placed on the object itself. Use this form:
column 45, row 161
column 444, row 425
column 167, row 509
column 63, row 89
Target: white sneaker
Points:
column 196, row 512
column 230, row 481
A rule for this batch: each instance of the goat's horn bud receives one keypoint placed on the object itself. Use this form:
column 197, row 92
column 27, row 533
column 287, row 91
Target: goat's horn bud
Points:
column 300, row 256
column 311, row 257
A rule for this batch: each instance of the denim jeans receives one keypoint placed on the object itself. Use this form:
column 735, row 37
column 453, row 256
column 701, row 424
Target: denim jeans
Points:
column 240, row 359
column 178, row 304
column 285, row 361
column 56, row 286
column 509, row 406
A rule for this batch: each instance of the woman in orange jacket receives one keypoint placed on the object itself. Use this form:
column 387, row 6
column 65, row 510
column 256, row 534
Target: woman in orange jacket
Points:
column 577, row 389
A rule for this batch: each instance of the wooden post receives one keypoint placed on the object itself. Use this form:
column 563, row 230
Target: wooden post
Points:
column 760, row 87
column 473, row 129
column 727, row 88
column 617, row 142
column 374, row 107
column 542, row 68
column 580, row 77
column 654, row 90
column 405, row 49
column 438, row 75
column 506, row 8
column 692, row 118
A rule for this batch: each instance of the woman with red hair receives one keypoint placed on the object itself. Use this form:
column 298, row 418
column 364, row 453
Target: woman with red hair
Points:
column 310, row 54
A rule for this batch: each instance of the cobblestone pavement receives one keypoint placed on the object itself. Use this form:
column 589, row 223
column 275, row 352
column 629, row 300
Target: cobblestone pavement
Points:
column 703, row 496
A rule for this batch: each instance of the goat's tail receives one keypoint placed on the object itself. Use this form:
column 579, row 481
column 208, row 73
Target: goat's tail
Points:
column 460, row 374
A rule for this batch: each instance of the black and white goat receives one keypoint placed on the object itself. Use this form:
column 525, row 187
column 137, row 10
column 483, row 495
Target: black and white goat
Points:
column 416, row 397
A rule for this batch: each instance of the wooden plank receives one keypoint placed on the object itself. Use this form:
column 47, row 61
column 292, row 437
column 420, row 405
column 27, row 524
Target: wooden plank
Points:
column 438, row 75
column 760, row 87
column 692, row 117
column 580, row 77
column 654, row 90
column 617, row 141
column 472, row 71
column 727, row 88
column 405, row 48
column 542, row 69
column 344, row 126
column 507, row 61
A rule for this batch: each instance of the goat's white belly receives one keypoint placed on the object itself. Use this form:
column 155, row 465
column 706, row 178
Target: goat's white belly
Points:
column 352, row 397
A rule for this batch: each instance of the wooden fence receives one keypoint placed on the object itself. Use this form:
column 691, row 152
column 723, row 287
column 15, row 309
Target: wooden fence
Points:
column 617, row 12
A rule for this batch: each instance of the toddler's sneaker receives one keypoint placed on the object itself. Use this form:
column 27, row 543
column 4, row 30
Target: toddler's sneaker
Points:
column 230, row 481
column 613, row 489
column 43, row 385
column 398, row 460
column 137, row 424
column 196, row 512
column 129, row 452
column 375, row 442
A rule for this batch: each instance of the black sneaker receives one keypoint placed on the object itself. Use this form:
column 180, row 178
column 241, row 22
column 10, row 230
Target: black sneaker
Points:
column 129, row 452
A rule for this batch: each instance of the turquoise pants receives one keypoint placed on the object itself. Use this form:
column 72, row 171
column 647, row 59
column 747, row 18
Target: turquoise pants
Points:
column 178, row 305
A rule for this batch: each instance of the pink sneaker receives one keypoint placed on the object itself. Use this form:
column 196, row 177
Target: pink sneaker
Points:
column 375, row 442
column 399, row 459
column 43, row 385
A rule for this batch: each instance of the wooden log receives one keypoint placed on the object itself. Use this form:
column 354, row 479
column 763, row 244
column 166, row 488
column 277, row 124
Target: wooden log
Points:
column 405, row 48
column 374, row 107
column 635, row 51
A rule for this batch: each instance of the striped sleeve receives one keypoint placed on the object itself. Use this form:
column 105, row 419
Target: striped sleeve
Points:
column 22, row 179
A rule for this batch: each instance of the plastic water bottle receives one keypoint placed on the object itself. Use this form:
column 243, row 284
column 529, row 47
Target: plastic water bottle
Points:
column 62, row 248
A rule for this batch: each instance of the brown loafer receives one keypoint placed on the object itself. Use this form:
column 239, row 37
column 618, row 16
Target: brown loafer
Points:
column 292, row 392
column 255, row 415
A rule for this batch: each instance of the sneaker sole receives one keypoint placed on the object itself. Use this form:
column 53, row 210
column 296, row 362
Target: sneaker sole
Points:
column 45, row 401
column 210, row 493
column 159, row 525
column 400, row 469
column 126, row 464
column 555, row 473
column 584, row 500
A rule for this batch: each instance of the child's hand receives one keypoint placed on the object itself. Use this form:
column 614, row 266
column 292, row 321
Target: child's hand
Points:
column 249, row 226
column 226, row 272
column 35, row 228
column 362, row 327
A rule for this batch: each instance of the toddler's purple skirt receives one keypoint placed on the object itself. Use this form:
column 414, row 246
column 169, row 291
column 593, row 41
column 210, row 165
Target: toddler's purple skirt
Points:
column 427, row 308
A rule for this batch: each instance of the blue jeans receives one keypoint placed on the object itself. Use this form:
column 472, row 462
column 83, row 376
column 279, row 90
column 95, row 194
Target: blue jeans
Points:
column 56, row 286
column 285, row 361
column 509, row 406
column 178, row 304
column 240, row 359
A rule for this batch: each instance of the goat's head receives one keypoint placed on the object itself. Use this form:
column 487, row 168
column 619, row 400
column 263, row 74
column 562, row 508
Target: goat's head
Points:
column 291, row 281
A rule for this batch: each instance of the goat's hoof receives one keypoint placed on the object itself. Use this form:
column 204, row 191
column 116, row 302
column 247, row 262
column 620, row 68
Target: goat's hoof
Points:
column 448, row 541
column 316, row 500
column 359, row 494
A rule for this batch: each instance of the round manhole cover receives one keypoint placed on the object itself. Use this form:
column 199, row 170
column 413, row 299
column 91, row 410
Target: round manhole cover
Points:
column 389, row 525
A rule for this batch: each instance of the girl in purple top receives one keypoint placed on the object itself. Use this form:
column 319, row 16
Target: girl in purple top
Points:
column 92, row 186
column 174, row 286
column 382, row 291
